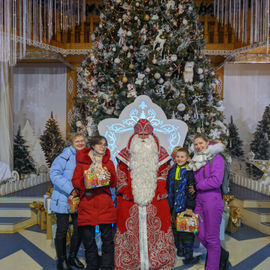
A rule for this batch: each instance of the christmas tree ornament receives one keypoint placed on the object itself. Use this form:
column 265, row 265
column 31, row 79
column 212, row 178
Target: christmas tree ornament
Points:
column 137, row 4
column 199, row 70
column 181, row 9
column 147, row 70
column 146, row 17
column 186, row 117
column 188, row 73
column 157, row 75
column 129, row 33
column 131, row 66
column 154, row 61
column 160, row 81
column 139, row 79
column 131, row 91
column 173, row 57
column 116, row 60
column 155, row 17
column 181, row 107
column 124, row 79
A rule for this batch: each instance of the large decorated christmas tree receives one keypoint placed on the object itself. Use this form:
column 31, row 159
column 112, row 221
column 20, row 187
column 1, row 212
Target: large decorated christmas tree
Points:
column 150, row 47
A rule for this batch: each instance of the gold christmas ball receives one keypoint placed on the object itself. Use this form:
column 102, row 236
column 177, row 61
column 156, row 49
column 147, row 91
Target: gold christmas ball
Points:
column 125, row 79
column 146, row 17
column 163, row 37
column 175, row 23
column 131, row 66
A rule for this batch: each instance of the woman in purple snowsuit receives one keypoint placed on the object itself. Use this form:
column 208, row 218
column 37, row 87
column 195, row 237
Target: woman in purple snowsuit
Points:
column 208, row 167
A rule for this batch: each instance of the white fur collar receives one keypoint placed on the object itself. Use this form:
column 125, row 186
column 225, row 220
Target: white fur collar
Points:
column 215, row 149
column 200, row 158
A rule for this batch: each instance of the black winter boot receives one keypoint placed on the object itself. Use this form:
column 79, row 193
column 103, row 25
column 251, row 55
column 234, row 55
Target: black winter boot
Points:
column 189, row 259
column 74, row 261
column 74, row 247
column 180, row 250
column 60, row 246
column 224, row 259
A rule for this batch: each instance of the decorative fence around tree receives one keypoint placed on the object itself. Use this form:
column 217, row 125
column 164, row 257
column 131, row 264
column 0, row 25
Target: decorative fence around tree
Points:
column 15, row 184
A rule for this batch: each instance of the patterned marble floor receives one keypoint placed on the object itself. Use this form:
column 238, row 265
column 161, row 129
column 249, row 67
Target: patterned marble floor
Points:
column 29, row 249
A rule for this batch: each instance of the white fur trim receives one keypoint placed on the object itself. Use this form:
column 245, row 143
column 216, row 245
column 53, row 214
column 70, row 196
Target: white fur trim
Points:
column 143, row 238
column 123, row 160
column 164, row 161
column 215, row 149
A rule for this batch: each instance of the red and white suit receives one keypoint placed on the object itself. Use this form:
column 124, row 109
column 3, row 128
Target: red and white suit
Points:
column 144, row 238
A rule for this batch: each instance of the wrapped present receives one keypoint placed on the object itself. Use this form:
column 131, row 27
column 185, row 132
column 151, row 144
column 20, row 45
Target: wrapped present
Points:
column 43, row 220
column 234, row 220
column 73, row 203
column 95, row 177
column 51, row 220
column 187, row 223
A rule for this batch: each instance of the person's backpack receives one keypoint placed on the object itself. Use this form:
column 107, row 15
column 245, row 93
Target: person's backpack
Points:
column 225, row 186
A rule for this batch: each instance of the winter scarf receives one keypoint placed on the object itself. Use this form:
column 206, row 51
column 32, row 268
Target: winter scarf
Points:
column 200, row 158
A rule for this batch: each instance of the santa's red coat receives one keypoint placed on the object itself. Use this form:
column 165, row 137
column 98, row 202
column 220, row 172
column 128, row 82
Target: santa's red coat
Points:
column 160, row 241
column 96, row 205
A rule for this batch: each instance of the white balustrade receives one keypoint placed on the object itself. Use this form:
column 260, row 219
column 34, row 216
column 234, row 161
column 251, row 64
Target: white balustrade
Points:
column 16, row 184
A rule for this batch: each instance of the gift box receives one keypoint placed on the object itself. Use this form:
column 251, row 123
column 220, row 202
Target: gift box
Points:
column 51, row 221
column 187, row 223
column 43, row 220
column 234, row 220
column 73, row 203
column 95, row 177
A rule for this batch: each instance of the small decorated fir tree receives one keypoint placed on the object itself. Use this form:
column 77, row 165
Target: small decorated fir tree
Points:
column 260, row 143
column 51, row 141
column 234, row 143
column 23, row 162
column 266, row 121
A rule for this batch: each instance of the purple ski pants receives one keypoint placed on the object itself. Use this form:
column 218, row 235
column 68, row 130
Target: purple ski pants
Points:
column 209, row 205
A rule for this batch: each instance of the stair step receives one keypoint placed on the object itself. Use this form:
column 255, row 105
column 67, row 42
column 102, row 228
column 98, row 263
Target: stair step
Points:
column 11, row 220
column 256, row 204
column 15, row 224
column 262, row 211
column 20, row 199
column 263, row 214
column 15, row 210
column 266, row 223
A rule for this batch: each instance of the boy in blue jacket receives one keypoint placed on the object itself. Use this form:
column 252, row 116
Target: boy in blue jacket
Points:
column 181, row 198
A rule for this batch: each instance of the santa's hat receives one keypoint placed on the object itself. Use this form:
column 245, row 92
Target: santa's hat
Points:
column 143, row 126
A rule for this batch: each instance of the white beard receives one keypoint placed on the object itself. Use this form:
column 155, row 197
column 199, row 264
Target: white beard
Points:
column 144, row 167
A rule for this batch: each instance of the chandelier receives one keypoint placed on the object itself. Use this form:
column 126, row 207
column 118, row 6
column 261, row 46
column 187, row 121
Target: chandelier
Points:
column 35, row 20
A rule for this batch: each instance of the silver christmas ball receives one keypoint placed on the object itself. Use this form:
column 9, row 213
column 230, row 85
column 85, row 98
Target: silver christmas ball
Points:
column 157, row 75
column 116, row 60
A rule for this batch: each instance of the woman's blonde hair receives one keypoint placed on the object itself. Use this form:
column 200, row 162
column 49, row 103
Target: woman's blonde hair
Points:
column 73, row 136
column 202, row 136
